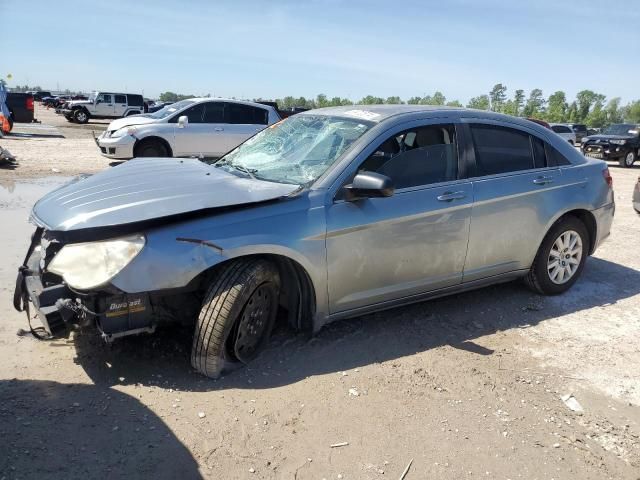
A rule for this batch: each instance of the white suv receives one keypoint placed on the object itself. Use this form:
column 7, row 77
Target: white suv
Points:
column 102, row 105
column 206, row 127
column 565, row 132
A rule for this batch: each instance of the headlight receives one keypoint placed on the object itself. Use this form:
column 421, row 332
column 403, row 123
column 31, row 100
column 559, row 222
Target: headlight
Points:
column 121, row 132
column 89, row 265
column 618, row 142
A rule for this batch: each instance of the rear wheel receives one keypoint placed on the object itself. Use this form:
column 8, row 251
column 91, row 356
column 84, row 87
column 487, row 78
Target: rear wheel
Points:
column 151, row 148
column 561, row 257
column 628, row 160
column 81, row 116
column 236, row 317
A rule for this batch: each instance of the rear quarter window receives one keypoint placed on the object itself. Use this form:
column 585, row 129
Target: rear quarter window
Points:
column 135, row 100
column 246, row 114
column 554, row 157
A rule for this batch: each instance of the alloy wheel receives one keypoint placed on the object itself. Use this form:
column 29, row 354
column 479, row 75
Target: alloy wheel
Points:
column 564, row 257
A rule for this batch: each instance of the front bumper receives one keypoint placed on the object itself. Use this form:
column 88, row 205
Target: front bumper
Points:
column 119, row 148
column 64, row 111
column 604, row 152
column 45, row 300
column 114, row 313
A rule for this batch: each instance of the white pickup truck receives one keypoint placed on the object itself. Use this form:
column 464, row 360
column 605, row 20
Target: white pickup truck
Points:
column 206, row 127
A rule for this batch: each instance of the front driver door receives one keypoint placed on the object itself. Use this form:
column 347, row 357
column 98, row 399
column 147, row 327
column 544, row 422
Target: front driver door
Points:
column 191, row 138
column 384, row 249
column 104, row 105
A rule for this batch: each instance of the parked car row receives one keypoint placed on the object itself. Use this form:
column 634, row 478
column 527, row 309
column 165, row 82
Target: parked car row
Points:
column 574, row 133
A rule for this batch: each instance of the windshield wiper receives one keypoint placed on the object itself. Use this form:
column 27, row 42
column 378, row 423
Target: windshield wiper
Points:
column 237, row 166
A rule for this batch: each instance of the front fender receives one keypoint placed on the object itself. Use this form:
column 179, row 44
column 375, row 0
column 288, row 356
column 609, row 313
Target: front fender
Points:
column 176, row 254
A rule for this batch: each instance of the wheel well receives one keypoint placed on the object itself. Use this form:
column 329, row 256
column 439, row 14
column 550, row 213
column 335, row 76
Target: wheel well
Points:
column 589, row 221
column 297, row 296
column 142, row 141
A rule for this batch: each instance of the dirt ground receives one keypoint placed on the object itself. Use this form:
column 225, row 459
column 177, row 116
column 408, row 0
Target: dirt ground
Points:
column 468, row 386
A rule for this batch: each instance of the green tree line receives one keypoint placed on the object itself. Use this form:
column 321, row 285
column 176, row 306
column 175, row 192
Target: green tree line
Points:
column 588, row 106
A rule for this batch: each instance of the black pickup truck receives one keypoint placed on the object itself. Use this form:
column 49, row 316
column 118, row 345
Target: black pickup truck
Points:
column 20, row 107
column 619, row 141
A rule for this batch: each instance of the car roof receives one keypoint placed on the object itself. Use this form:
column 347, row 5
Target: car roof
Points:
column 230, row 100
column 380, row 113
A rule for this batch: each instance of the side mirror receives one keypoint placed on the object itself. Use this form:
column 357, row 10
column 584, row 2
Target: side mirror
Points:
column 183, row 121
column 98, row 101
column 369, row 185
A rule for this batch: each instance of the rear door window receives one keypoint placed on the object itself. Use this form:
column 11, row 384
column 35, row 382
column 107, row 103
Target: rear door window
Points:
column 121, row 99
column 246, row 114
column 500, row 150
column 214, row 112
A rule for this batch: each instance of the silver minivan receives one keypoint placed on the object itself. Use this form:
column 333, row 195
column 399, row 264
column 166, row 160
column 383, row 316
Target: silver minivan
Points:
column 331, row 213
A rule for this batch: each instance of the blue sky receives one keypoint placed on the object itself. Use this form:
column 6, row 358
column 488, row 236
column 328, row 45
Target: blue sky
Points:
column 347, row 48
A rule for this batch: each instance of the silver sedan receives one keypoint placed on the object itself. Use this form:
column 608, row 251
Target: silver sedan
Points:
column 329, row 214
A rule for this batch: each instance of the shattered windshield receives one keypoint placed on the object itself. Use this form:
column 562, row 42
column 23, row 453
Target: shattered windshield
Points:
column 169, row 109
column 297, row 150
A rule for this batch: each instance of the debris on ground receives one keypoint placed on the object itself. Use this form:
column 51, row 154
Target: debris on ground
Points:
column 339, row 444
column 573, row 404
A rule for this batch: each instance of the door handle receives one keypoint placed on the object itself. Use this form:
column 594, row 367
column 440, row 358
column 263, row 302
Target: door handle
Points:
column 543, row 180
column 218, row 129
column 449, row 196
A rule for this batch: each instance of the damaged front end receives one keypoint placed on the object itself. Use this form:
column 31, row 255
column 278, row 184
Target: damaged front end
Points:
column 60, row 308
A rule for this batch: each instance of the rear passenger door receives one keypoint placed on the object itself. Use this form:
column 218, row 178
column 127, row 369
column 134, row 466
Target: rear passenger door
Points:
column 120, row 105
column 241, row 122
column 516, row 193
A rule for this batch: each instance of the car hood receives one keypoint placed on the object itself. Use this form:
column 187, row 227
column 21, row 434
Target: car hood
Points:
column 78, row 102
column 130, row 121
column 148, row 189
column 608, row 137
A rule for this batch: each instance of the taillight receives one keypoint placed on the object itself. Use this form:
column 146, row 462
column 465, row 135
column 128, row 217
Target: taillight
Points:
column 29, row 103
column 607, row 177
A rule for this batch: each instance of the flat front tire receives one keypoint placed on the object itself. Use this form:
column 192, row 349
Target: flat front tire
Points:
column 236, row 317
column 561, row 257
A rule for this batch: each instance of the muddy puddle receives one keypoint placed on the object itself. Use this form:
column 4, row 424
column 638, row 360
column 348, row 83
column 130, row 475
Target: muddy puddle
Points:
column 16, row 200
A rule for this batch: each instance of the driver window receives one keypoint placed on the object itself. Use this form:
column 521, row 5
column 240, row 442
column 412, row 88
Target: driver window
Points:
column 104, row 98
column 194, row 114
column 416, row 157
